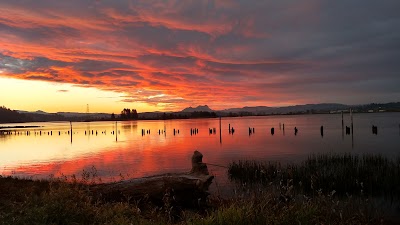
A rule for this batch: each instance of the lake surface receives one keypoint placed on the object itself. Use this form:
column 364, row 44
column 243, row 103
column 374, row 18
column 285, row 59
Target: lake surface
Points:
column 126, row 153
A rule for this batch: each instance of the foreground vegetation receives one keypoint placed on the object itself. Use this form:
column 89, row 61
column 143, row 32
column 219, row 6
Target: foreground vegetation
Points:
column 345, row 174
column 275, row 201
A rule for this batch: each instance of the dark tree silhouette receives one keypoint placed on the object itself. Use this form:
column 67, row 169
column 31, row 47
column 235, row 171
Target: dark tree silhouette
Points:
column 129, row 114
column 10, row 116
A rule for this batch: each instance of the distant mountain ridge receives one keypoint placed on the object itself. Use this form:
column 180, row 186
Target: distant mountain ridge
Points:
column 200, row 108
column 299, row 109
column 272, row 110
column 203, row 111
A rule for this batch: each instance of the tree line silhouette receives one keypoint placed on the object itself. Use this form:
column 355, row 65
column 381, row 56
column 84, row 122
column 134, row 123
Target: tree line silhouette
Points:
column 11, row 116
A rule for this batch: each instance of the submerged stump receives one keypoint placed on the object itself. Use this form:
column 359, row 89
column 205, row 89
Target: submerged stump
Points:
column 188, row 189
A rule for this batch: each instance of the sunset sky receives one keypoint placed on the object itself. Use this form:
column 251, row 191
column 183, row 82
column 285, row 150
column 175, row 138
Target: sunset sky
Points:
column 167, row 55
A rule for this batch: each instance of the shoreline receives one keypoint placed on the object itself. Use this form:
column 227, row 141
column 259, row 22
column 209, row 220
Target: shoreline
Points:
column 18, row 127
column 168, row 119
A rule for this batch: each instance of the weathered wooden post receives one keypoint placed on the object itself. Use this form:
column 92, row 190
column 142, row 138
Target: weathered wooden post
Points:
column 198, row 167
column 342, row 121
column 374, row 130
column 220, row 131
column 342, row 127
column 70, row 125
column 190, row 188
column 322, row 131
column 347, row 130
column 351, row 117
column 352, row 129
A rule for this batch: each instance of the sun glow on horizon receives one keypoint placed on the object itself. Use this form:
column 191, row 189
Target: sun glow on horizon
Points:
column 53, row 97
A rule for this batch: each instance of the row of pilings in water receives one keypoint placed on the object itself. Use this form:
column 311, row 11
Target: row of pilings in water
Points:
column 40, row 133
column 193, row 131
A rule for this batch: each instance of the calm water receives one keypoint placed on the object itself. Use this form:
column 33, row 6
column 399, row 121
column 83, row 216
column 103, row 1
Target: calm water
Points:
column 130, row 154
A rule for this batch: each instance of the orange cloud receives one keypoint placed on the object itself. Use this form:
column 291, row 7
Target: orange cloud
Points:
column 220, row 53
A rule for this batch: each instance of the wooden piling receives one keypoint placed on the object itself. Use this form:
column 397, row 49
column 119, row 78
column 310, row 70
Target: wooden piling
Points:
column 322, row 131
column 374, row 130
column 70, row 124
column 220, row 133
column 351, row 117
column 342, row 121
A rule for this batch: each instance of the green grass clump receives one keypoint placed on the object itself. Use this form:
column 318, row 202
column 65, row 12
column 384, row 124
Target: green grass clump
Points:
column 370, row 175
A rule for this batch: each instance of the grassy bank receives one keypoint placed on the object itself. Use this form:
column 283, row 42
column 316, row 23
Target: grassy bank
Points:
column 58, row 202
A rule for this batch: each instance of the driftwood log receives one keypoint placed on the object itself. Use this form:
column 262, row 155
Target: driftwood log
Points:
column 184, row 188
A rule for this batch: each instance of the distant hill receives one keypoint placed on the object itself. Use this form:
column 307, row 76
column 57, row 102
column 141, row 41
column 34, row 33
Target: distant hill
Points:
column 265, row 110
column 255, row 109
column 40, row 115
column 201, row 111
column 84, row 115
column 200, row 108
column 299, row 109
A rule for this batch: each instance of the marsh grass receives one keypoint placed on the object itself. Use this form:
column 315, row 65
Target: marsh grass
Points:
column 61, row 203
column 68, row 200
column 366, row 175
column 24, row 201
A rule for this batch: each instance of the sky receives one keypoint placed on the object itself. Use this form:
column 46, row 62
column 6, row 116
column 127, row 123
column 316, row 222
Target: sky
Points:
column 171, row 54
